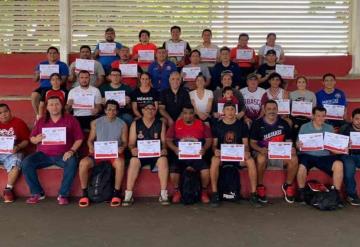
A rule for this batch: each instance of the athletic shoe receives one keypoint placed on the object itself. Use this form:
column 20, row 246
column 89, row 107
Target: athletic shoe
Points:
column 340, row 203
column 204, row 196
column 254, row 200
column 8, row 195
column 289, row 192
column 176, row 197
column 63, row 200
column 353, row 200
column 300, row 198
column 127, row 203
column 36, row 198
column 261, row 193
column 164, row 200
column 215, row 199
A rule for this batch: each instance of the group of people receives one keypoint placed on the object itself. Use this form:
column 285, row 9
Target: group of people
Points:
column 176, row 95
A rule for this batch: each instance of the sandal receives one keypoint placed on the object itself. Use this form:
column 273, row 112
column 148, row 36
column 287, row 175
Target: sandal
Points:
column 128, row 203
column 84, row 202
column 115, row 202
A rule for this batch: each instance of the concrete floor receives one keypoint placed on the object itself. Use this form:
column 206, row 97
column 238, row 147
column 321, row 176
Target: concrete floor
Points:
column 149, row 224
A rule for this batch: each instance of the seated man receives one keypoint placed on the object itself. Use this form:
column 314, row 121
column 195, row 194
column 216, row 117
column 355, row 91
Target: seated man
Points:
column 231, row 131
column 60, row 151
column 43, row 77
column 272, row 128
column 12, row 127
column 147, row 128
column 105, row 128
column 323, row 159
column 351, row 161
column 266, row 69
column 189, row 129
column 84, row 100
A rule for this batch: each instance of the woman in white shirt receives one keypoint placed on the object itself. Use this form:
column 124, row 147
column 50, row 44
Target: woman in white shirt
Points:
column 202, row 99
column 270, row 45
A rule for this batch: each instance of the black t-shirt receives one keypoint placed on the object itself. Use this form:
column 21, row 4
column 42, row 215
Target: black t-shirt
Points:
column 230, row 133
column 345, row 130
column 174, row 103
column 142, row 98
column 219, row 68
column 263, row 132
column 264, row 70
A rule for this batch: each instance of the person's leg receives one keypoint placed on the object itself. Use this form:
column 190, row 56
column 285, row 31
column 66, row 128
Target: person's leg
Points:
column 13, row 175
column 349, row 174
column 163, row 172
column 214, row 173
column 261, row 161
column 35, row 101
column 338, row 174
column 70, row 168
column 119, row 166
column 132, row 174
column 85, row 166
column 12, row 164
column 252, row 173
column 292, row 169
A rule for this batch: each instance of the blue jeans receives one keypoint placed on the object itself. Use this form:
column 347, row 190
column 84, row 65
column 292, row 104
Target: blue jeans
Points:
column 40, row 160
column 127, row 118
column 351, row 162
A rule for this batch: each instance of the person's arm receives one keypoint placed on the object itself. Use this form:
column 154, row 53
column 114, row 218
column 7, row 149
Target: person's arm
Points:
column 23, row 144
column 72, row 150
column 132, row 140
column 124, row 139
column 163, row 112
column 207, row 144
column 170, row 140
column 215, row 149
column 92, row 136
column 72, row 76
column 163, row 139
column 282, row 57
column 99, row 80
column 135, row 109
column 256, row 147
column 96, row 110
column 36, row 76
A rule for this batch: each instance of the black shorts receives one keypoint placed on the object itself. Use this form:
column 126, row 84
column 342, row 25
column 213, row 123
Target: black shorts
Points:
column 85, row 121
column 238, row 165
column 41, row 90
column 323, row 163
column 148, row 162
column 178, row 166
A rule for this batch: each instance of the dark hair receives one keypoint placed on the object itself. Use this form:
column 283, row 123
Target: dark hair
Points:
column 109, row 29
column 328, row 74
column 277, row 75
column 161, row 48
column 270, row 34
column 270, row 102
column 225, row 89
column 189, row 107
column 224, row 48
column 84, row 72
column 145, row 73
column 47, row 113
column 115, row 70
column 206, row 30
column 303, row 77
column 52, row 48
column 144, row 31
column 4, row 105
column 112, row 102
column 244, row 35
column 354, row 112
column 55, row 74
column 200, row 75
column 85, row 47
column 195, row 50
column 175, row 27
column 318, row 108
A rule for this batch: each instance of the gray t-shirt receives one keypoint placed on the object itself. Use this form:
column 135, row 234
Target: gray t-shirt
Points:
column 99, row 71
column 307, row 96
column 109, row 131
column 309, row 128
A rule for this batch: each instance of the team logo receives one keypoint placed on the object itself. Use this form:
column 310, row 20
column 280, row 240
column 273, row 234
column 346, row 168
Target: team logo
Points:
column 338, row 96
column 230, row 137
column 156, row 136
column 140, row 135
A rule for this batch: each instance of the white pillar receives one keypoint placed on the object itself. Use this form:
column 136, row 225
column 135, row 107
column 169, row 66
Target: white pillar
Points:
column 355, row 37
column 65, row 30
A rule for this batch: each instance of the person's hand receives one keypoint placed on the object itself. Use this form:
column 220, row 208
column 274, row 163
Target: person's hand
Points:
column 180, row 63
column 121, row 150
column 217, row 152
column 39, row 138
column 170, row 122
column 91, row 150
column 15, row 149
column 264, row 151
column 202, row 152
column 293, row 151
column 127, row 100
column 163, row 152
column 70, row 102
column 134, row 152
column 67, row 155
column 176, row 151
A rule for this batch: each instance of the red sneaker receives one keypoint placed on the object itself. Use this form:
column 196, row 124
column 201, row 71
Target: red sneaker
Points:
column 36, row 198
column 176, row 197
column 63, row 200
column 261, row 192
column 289, row 192
column 8, row 195
column 204, row 197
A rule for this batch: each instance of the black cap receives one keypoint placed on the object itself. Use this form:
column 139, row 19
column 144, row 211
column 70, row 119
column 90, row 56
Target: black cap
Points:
column 146, row 103
column 271, row 52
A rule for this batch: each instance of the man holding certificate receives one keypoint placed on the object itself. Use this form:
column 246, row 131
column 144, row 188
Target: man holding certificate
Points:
column 189, row 139
column 58, row 136
column 144, row 51
column 105, row 129
column 14, row 137
column 84, row 100
column 231, row 131
column 352, row 161
column 320, row 158
column 147, row 147
column 272, row 129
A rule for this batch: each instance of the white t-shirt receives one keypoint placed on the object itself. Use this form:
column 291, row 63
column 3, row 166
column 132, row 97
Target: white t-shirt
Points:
column 78, row 91
column 201, row 104
column 252, row 101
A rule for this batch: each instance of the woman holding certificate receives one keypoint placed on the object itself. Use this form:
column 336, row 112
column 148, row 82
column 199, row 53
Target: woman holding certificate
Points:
column 271, row 45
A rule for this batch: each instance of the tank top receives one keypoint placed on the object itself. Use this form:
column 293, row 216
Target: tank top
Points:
column 109, row 131
column 145, row 133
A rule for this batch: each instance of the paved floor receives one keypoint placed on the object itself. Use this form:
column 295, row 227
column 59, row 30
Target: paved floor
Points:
column 149, row 224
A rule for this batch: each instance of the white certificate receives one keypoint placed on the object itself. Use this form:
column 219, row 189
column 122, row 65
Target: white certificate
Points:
column 176, row 49
column 84, row 101
column 336, row 142
column 54, row 136
column 106, row 150
column 220, row 107
column 146, row 55
column 190, row 73
column 107, row 49
column 6, row 144
column 286, row 71
column 129, row 70
column 354, row 140
column 280, row 150
column 283, row 106
column 244, row 54
column 312, row 142
column 148, row 148
column 46, row 70
column 232, row 152
column 301, row 108
column 118, row 96
column 189, row 150
column 335, row 112
column 208, row 54
column 85, row 64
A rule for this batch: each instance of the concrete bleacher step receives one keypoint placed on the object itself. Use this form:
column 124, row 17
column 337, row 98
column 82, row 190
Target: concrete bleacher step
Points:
column 147, row 184
column 17, row 86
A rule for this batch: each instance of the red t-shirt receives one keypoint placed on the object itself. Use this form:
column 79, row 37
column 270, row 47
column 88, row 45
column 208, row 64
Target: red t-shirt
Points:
column 147, row 47
column 241, row 63
column 131, row 82
column 195, row 132
column 15, row 127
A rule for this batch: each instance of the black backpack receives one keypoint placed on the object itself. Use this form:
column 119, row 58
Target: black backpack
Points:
column 190, row 187
column 319, row 196
column 101, row 185
column 229, row 183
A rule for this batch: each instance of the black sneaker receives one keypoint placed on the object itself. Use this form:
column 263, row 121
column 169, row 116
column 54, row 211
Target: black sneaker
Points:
column 215, row 199
column 340, row 203
column 353, row 200
column 300, row 198
column 254, row 201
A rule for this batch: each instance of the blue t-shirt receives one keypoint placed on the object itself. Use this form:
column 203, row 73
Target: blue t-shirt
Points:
column 335, row 98
column 63, row 71
column 106, row 61
column 160, row 75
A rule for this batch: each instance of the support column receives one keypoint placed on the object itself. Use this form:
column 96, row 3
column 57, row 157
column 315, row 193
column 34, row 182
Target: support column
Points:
column 355, row 37
column 65, row 30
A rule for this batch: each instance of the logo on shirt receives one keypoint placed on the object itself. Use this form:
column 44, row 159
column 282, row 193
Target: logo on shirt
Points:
column 337, row 95
column 7, row 132
column 140, row 135
column 272, row 134
column 156, row 136
column 230, row 137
